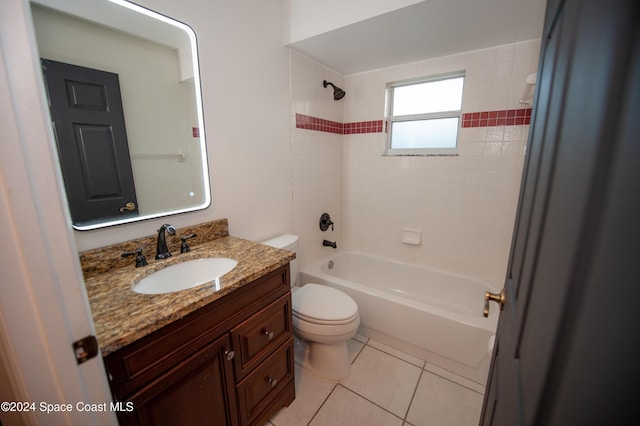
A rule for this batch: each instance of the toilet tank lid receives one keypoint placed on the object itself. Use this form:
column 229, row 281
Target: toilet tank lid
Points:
column 285, row 241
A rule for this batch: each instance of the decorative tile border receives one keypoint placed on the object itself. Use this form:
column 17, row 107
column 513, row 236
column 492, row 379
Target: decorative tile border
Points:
column 319, row 124
column 314, row 123
column 363, row 127
column 505, row 117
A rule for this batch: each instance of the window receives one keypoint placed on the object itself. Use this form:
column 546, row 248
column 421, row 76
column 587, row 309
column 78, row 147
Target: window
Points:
column 424, row 115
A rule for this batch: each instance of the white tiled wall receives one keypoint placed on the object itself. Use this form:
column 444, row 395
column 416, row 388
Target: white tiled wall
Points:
column 464, row 205
column 317, row 158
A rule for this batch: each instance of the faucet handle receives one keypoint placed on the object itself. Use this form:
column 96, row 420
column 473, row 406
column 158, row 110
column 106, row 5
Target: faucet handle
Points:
column 325, row 222
column 184, row 248
column 140, row 259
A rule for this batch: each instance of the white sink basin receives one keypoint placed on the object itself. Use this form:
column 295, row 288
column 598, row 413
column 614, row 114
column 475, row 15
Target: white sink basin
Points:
column 185, row 275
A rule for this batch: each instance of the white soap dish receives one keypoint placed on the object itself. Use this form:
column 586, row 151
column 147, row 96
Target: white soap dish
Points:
column 411, row 236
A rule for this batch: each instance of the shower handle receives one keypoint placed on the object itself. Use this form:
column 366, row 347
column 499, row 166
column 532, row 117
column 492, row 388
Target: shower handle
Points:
column 325, row 222
column 499, row 298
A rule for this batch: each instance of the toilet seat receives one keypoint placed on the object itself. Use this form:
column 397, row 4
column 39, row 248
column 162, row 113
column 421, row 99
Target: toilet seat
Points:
column 302, row 317
column 323, row 305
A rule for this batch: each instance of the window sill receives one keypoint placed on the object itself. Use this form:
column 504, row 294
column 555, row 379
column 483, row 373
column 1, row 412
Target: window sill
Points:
column 422, row 152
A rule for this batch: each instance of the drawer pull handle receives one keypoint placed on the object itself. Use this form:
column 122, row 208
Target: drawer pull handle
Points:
column 269, row 334
column 272, row 382
column 229, row 355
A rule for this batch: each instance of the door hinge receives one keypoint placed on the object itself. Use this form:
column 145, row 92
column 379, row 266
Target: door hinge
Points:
column 85, row 348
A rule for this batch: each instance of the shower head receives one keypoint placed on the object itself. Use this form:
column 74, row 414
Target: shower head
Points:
column 338, row 93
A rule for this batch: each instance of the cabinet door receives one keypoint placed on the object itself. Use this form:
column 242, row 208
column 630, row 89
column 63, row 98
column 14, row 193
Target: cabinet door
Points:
column 198, row 391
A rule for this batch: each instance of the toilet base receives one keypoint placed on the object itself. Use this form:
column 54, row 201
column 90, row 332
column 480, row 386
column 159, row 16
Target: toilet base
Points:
column 327, row 361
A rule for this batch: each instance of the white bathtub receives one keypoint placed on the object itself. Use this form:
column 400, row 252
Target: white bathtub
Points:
column 429, row 314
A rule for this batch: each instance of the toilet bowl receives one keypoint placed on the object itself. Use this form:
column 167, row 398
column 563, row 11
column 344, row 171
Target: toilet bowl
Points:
column 324, row 318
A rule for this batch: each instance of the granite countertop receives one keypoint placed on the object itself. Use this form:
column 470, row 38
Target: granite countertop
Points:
column 122, row 316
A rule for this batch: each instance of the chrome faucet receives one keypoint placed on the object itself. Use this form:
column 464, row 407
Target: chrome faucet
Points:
column 162, row 252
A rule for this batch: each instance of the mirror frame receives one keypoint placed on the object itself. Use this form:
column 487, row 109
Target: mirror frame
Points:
column 108, row 222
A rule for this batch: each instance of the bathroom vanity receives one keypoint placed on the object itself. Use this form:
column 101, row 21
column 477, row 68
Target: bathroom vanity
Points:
column 213, row 354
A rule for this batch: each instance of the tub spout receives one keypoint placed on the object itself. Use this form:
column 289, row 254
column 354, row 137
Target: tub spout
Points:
column 327, row 243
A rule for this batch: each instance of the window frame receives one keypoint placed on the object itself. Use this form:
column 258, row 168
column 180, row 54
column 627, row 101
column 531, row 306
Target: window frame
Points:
column 390, row 118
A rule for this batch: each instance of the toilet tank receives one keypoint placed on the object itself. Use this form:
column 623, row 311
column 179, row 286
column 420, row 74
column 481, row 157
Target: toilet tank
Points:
column 287, row 242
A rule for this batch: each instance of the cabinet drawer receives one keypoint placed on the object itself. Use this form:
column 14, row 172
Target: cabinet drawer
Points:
column 254, row 339
column 265, row 384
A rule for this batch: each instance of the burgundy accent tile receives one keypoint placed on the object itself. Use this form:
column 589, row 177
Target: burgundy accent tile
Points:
column 195, row 131
column 509, row 117
column 520, row 116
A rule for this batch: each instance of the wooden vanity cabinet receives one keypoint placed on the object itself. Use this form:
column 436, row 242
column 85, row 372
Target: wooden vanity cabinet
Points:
column 228, row 363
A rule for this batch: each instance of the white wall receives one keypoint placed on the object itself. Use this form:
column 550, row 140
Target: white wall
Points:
column 316, row 157
column 245, row 84
column 306, row 19
column 464, row 205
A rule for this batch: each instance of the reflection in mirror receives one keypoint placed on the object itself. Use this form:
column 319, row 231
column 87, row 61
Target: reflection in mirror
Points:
column 150, row 62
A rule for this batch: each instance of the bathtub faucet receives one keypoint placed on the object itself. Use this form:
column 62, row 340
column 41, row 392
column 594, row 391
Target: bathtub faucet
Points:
column 327, row 243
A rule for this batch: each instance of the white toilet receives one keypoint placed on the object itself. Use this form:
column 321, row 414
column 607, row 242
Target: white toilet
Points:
column 324, row 317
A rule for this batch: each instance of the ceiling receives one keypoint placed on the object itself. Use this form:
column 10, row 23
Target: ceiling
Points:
column 111, row 14
column 429, row 29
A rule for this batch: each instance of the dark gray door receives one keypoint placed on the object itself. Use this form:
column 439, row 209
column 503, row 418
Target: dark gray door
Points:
column 88, row 121
column 566, row 349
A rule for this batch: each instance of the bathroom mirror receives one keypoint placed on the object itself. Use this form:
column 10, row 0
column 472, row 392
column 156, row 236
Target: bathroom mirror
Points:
column 153, row 161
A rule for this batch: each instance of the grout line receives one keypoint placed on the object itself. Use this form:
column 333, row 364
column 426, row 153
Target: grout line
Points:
column 358, row 355
column 415, row 390
column 368, row 400
column 397, row 357
column 453, row 381
column 400, row 359
column 322, row 405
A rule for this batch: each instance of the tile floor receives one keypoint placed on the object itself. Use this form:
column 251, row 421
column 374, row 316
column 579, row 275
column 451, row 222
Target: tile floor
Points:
column 386, row 387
